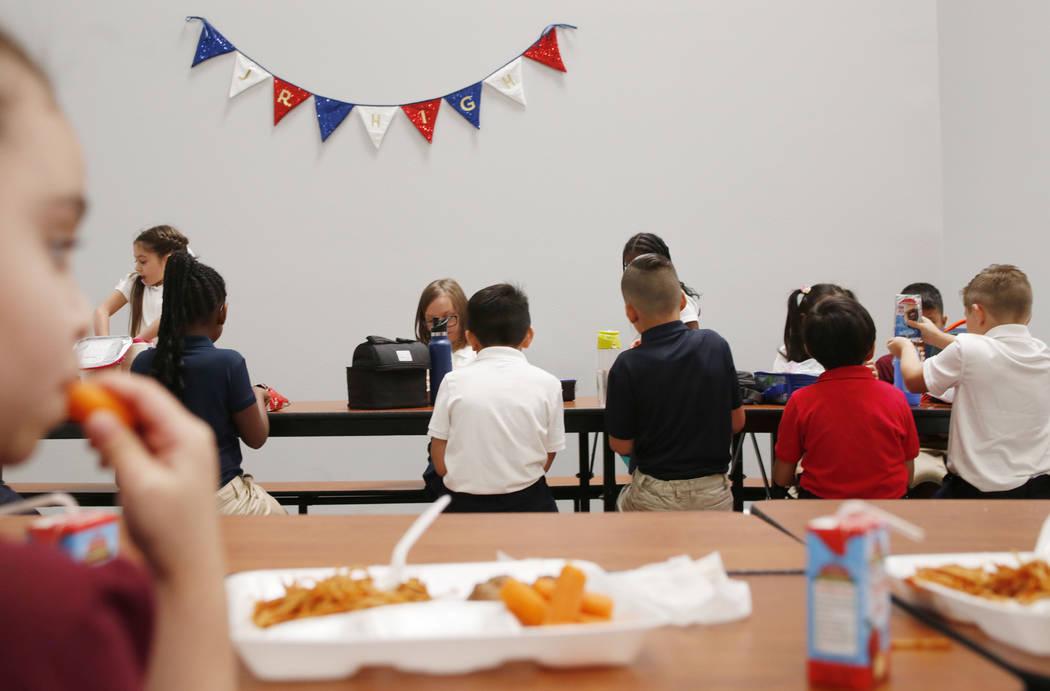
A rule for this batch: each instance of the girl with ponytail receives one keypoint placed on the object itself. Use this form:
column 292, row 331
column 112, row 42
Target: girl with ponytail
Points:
column 143, row 288
column 792, row 356
column 211, row 382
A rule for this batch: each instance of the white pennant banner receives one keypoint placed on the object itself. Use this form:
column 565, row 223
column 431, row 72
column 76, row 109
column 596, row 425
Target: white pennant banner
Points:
column 246, row 74
column 507, row 81
column 376, row 120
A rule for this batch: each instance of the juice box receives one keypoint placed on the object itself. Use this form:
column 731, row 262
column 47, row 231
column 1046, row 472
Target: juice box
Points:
column 907, row 307
column 847, row 601
column 88, row 536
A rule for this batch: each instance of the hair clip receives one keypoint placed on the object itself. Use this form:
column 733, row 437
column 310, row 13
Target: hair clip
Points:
column 805, row 290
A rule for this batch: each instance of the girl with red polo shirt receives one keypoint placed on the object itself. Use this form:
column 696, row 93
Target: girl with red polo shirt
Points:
column 118, row 625
column 857, row 433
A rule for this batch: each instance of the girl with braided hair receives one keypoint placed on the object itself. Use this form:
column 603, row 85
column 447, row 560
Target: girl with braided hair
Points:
column 651, row 243
column 142, row 288
column 211, row 382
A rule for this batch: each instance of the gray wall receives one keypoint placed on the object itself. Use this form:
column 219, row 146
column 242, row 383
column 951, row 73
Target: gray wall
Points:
column 771, row 144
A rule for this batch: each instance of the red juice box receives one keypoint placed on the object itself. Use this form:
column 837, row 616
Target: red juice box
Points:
column 847, row 601
column 91, row 537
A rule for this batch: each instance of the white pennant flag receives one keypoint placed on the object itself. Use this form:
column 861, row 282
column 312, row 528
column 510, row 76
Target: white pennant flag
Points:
column 376, row 120
column 508, row 82
column 246, row 74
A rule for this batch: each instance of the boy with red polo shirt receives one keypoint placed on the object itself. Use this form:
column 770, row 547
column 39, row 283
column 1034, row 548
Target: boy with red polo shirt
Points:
column 856, row 433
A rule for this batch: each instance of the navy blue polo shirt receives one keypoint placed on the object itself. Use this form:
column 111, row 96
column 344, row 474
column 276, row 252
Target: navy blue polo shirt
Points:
column 217, row 386
column 674, row 395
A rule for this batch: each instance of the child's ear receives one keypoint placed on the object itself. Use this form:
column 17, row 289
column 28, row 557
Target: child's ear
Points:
column 871, row 354
column 681, row 305
column 528, row 339
column 473, row 341
column 223, row 311
column 632, row 313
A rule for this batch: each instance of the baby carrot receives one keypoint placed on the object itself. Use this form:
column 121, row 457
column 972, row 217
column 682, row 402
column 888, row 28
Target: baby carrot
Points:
column 525, row 603
column 567, row 597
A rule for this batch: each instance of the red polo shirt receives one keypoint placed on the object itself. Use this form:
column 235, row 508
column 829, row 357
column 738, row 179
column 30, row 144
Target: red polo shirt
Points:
column 853, row 434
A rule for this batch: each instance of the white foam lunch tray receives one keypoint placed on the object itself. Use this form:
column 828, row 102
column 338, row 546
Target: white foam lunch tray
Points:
column 1026, row 627
column 448, row 635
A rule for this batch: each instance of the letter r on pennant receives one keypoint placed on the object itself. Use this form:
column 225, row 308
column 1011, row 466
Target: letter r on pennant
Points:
column 285, row 96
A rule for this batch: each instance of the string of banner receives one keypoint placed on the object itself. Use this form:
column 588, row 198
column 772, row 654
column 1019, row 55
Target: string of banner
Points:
column 376, row 119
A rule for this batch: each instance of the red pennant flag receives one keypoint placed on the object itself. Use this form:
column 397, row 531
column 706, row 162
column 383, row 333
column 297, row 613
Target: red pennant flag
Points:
column 423, row 115
column 546, row 51
column 285, row 97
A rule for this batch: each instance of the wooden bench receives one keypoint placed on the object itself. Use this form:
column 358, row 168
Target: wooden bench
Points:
column 303, row 494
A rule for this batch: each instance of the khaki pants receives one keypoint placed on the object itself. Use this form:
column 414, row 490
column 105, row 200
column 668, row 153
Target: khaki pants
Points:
column 242, row 497
column 929, row 467
column 646, row 493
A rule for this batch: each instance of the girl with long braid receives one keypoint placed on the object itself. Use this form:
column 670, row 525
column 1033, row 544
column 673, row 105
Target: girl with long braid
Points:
column 211, row 382
column 143, row 288
column 651, row 243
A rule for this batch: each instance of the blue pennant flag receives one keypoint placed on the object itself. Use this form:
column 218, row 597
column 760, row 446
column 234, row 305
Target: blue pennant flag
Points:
column 210, row 44
column 330, row 113
column 467, row 103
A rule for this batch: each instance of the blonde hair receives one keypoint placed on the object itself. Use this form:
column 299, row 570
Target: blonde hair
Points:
column 443, row 287
column 1003, row 291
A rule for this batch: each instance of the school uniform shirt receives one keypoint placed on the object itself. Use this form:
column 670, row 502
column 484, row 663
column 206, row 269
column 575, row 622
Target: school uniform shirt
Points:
column 501, row 417
column 810, row 366
column 673, row 395
column 69, row 625
column 462, row 357
column 999, row 436
column 217, row 387
column 152, row 298
column 855, row 434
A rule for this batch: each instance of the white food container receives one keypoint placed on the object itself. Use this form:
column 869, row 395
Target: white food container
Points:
column 447, row 635
column 1026, row 627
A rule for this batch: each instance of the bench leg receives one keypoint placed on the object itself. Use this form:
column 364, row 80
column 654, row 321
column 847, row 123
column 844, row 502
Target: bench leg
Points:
column 582, row 503
column 736, row 472
column 609, row 489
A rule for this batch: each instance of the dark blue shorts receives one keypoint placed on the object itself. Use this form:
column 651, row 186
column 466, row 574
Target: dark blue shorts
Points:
column 954, row 487
column 536, row 497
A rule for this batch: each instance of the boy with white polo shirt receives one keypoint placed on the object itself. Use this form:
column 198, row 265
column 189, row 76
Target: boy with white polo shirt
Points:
column 498, row 422
column 999, row 439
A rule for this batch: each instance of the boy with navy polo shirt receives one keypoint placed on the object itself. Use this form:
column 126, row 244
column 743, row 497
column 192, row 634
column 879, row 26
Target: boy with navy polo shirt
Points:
column 673, row 402
column 498, row 422
column 857, row 433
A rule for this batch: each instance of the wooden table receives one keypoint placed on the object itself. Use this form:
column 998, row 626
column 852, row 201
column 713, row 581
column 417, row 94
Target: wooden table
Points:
column 583, row 417
column 766, row 650
column 951, row 525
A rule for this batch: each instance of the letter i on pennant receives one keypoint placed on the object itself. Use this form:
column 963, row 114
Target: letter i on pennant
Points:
column 423, row 115
column 285, row 97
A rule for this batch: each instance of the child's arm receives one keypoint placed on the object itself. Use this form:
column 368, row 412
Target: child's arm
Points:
column 738, row 419
column 931, row 334
column 100, row 319
column 621, row 446
column 150, row 332
column 166, row 478
column 784, row 473
column 437, row 455
column 253, row 423
column 911, row 368
column 911, row 471
column 550, row 459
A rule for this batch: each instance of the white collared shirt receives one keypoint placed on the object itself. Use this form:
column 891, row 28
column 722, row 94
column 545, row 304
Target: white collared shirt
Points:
column 501, row 417
column 1000, row 429
column 152, row 299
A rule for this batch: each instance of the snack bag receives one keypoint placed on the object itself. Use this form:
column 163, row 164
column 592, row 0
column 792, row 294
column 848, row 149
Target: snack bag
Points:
column 277, row 401
column 907, row 307
column 847, row 601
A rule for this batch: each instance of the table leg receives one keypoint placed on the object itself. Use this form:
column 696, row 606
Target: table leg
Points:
column 609, row 492
column 583, row 502
column 736, row 472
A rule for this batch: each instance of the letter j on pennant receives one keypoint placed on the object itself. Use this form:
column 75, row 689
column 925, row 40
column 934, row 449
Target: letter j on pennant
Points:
column 285, row 97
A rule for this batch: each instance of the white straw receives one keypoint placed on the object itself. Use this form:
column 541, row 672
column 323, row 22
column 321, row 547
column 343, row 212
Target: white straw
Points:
column 905, row 528
column 53, row 499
